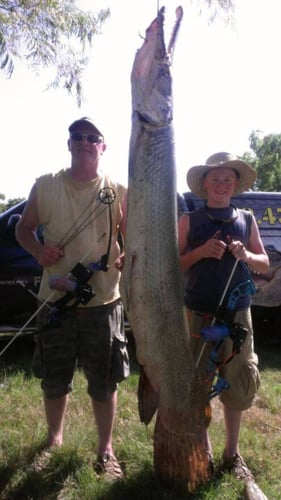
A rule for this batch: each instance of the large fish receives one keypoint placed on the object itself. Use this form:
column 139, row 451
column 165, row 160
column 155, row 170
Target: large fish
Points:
column 151, row 283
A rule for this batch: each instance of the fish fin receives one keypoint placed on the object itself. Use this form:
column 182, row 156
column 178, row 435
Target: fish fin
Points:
column 147, row 398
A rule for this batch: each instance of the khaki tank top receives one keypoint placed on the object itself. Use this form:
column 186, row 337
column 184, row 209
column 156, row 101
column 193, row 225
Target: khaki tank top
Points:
column 61, row 203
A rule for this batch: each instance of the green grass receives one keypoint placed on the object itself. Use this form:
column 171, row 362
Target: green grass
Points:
column 70, row 473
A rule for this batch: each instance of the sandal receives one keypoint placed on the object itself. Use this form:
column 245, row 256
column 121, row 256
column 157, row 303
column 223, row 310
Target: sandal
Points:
column 108, row 466
column 42, row 460
column 235, row 465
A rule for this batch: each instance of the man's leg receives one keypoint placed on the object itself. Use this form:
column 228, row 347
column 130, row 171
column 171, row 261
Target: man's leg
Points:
column 104, row 415
column 107, row 463
column 55, row 410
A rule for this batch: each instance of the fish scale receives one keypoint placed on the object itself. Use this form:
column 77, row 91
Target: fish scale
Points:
column 151, row 283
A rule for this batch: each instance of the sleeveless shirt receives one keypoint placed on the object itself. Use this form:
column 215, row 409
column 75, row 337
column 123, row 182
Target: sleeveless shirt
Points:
column 205, row 281
column 61, row 201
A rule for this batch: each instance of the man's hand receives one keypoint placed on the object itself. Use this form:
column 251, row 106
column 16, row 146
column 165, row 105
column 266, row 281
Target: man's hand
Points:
column 49, row 254
column 119, row 263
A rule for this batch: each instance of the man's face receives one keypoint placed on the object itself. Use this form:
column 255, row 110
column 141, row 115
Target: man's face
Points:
column 85, row 144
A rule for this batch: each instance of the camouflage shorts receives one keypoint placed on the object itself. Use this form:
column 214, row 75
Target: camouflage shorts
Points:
column 92, row 339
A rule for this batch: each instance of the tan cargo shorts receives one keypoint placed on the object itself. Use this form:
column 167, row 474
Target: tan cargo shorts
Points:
column 241, row 372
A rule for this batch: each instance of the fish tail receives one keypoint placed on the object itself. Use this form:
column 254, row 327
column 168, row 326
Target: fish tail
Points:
column 180, row 460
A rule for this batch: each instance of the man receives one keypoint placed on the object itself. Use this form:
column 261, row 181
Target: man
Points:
column 217, row 244
column 81, row 212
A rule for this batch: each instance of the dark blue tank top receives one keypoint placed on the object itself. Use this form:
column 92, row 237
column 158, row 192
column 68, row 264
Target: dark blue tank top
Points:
column 205, row 281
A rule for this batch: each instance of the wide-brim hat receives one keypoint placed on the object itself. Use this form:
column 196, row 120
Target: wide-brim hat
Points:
column 245, row 173
column 84, row 121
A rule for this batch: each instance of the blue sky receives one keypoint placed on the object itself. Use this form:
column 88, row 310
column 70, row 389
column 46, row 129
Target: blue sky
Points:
column 226, row 83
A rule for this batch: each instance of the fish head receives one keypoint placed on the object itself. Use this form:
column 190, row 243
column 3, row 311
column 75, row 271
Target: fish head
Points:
column 151, row 78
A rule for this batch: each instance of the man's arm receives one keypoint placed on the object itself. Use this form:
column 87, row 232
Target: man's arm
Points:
column 46, row 255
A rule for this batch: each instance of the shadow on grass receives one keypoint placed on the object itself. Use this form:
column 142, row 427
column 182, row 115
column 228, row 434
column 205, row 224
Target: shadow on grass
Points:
column 19, row 481
column 25, row 482
column 145, row 486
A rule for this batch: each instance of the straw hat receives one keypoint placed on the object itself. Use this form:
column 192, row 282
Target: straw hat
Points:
column 246, row 174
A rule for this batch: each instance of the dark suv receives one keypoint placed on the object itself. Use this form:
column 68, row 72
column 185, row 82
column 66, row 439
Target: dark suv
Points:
column 20, row 274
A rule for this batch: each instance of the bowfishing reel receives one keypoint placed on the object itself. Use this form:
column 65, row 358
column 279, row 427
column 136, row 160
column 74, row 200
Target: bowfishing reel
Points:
column 76, row 285
column 217, row 332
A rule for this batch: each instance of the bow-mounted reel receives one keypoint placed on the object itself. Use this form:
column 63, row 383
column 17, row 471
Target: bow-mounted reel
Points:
column 76, row 286
column 222, row 327
column 217, row 332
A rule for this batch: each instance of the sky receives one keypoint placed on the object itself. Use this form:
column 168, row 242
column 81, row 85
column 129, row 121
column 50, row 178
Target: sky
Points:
column 226, row 83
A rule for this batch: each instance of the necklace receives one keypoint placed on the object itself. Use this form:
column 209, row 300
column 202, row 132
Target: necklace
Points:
column 219, row 220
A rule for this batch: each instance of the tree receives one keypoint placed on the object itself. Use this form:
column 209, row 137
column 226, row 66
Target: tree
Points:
column 56, row 33
column 266, row 160
column 8, row 204
column 217, row 7
column 48, row 33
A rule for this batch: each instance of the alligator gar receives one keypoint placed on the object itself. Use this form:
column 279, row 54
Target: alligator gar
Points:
column 151, row 283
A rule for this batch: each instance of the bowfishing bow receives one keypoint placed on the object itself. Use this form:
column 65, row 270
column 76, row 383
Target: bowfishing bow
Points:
column 75, row 285
column 222, row 327
column 80, row 274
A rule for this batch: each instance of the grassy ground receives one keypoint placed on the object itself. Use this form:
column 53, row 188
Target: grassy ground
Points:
column 70, row 473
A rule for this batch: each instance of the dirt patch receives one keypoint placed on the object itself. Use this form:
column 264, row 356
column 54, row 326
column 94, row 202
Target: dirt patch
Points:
column 259, row 416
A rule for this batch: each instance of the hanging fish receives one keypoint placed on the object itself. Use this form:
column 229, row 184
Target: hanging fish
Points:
column 151, row 283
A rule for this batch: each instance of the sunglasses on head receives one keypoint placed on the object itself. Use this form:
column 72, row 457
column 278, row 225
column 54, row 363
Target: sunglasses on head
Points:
column 92, row 138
